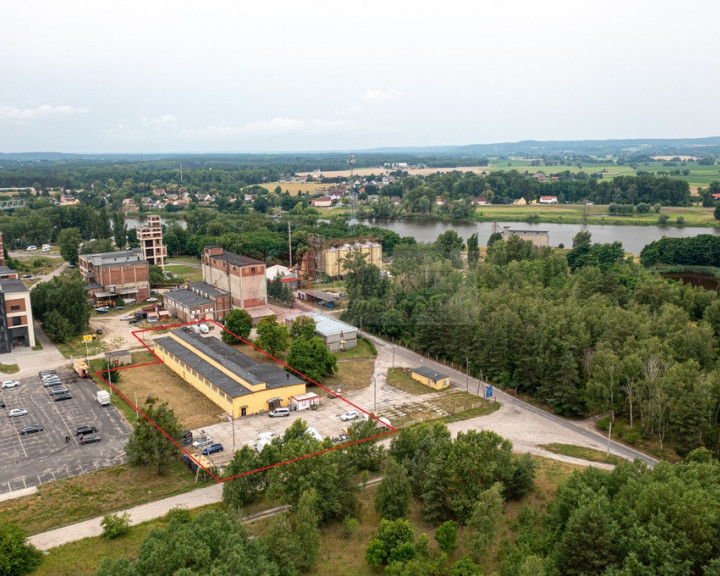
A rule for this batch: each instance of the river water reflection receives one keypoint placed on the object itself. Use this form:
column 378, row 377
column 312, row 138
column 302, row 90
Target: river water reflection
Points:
column 633, row 238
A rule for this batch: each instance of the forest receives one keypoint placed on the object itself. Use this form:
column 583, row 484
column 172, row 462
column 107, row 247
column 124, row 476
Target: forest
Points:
column 587, row 331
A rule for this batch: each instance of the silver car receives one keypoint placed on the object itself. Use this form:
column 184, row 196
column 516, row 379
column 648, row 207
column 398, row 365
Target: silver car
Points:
column 10, row 384
column 17, row 412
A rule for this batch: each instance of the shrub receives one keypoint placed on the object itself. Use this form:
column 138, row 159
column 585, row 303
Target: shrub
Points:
column 350, row 526
column 115, row 525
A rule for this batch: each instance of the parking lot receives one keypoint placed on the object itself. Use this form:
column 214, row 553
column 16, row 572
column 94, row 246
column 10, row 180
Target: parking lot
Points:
column 44, row 456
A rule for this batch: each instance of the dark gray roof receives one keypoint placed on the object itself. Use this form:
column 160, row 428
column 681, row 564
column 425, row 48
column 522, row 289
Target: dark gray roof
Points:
column 12, row 285
column 320, row 295
column 114, row 353
column 6, row 270
column 236, row 259
column 93, row 286
column 237, row 362
column 186, row 297
column 205, row 288
column 434, row 375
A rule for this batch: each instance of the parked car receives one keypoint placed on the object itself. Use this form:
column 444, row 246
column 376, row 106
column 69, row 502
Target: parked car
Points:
column 61, row 397
column 31, row 429
column 98, row 331
column 151, row 300
column 89, row 439
column 10, row 384
column 47, row 373
column 127, row 317
column 279, row 412
column 187, row 437
column 31, row 248
column 85, row 430
column 350, row 415
column 2, row 404
column 17, row 412
column 53, row 383
column 58, row 390
column 204, row 441
column 212, row 449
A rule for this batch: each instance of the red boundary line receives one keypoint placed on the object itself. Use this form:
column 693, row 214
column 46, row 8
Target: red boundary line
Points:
column 99, row 374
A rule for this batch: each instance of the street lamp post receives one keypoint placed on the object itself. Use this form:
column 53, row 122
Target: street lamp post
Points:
column 467, row 374
column 374, row 382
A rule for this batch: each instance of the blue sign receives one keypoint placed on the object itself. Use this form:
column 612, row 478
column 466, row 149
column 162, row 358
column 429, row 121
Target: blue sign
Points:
column 488, row 391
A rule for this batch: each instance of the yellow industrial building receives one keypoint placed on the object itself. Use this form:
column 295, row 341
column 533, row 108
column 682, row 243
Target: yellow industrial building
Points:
column 430, row 377
column 325, row 257
column 235, row 382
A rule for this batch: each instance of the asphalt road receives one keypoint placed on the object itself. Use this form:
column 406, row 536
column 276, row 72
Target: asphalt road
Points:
column 516, row 410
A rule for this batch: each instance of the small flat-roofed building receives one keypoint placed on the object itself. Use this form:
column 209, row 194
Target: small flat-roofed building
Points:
column 430, row 377
column 304, row 401
column 116, row 358
column 220, row 298
column 7, row 273
column 188, row 306
column 336, row 335
column 235, row 382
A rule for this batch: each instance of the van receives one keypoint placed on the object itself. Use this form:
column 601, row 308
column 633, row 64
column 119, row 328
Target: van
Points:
column 279, row 412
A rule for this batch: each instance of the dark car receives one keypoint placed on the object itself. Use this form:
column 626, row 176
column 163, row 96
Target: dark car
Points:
column 61, row 397
column 187, row 437
column 31, row 429
column 89, row 439
column 2, row 404
column 85, row 430
column 58, row 390
column 212, row 449
column 98, row 331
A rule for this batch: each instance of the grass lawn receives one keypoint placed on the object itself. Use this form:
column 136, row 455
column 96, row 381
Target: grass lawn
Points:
column 363, row 350
column 9, row 368
column 76, row 347
column 82, row 497
column 589, row 454
column 187, row 273
column 401, row 379
column 351, row 375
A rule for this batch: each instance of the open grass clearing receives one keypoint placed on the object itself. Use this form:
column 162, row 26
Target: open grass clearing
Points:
column 351, row 375
column 589, row 454
column 72, row 500
column 400, row 378
column 77, row 348
column 363, row 350
column 187, row 273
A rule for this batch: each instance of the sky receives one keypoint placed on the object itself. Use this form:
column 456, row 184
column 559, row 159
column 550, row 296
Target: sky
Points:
column 159, row 76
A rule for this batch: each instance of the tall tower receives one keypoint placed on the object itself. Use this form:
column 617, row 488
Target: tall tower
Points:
column 150, row 237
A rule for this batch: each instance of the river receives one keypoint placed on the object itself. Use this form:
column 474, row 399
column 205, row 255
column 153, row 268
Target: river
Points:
column 633, row 238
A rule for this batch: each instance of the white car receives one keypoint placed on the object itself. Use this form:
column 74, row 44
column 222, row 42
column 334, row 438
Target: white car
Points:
column 17, row 412
column 351, row 415
column 10, row 384
column 206, row 441
column 151, row 300
column 31, row 248
column 127, row 317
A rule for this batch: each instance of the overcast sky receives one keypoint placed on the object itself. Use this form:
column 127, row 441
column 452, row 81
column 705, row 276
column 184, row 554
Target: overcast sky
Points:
column 288, row 75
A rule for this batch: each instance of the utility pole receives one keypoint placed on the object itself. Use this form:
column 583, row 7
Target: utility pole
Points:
column 374, row 382
column 290, row 243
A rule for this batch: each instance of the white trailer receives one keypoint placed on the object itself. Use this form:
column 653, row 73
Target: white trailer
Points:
column 103, row 397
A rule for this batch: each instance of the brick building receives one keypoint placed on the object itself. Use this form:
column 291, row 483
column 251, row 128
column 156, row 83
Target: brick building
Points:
column 150, row 237
column 16, row 321
column 2, row 251
column 114, row 275
column 243, row 278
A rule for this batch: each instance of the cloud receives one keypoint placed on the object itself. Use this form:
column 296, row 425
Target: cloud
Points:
column 43, row 111
column 122, row 131
column 379, row 96
column 163, row 122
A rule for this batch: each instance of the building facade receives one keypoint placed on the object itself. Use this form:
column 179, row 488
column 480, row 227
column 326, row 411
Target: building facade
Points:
column 187, row 306
column 16, row 320
column 243, row 278
column 115, row 275
column 150, row 237
column 239, row 385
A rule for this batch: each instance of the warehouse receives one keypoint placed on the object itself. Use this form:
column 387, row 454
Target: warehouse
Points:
column 235, row 382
